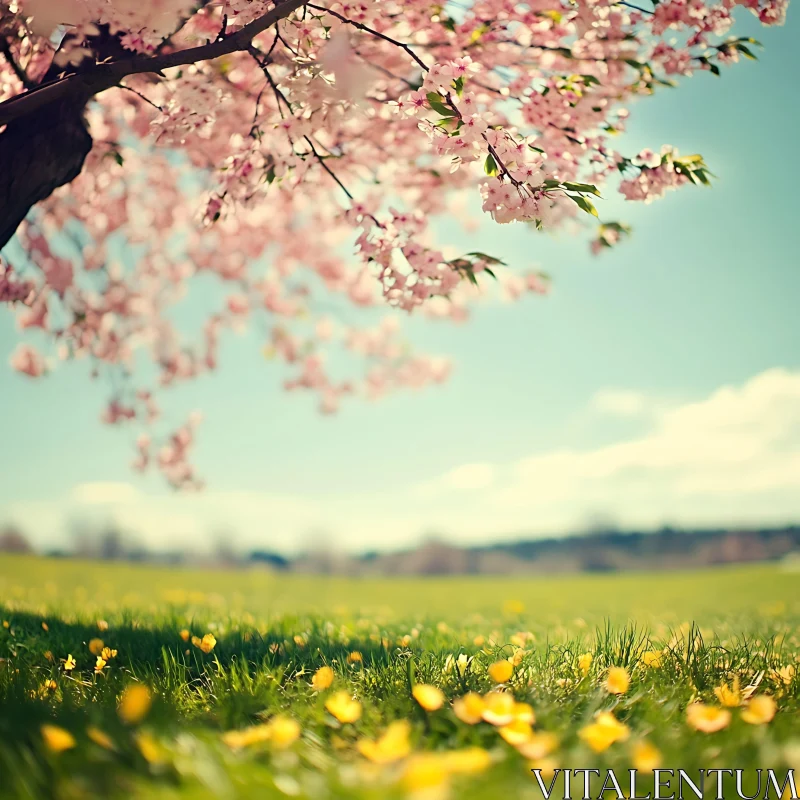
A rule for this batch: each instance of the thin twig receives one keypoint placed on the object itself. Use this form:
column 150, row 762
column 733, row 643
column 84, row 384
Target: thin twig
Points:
column 364, row 28
column 141, row 96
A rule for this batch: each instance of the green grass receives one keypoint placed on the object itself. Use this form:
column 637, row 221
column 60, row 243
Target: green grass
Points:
column 273, row 632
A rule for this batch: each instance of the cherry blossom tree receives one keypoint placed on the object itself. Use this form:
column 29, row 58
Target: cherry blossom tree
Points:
column 298, row 152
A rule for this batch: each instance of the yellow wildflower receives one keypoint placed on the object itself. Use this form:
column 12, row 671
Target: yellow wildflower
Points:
column 429, row 697
column 99, row 664
column 184, row 634
column 102, row 625
column 107, row 653
column 479, row 640
column 283, row 731
column 151, row 750
column 604, row 731
column 538, row 746
column 206, row 644
column 524, row 713
column 469, row 708
column 96, row 646
column 468, row 761
column 707, row 719
column 729, row 697
column 426, row 773
column 513, row 607
column 646, row 757
column 237, row 740
column 653, row 658
column 501, row 671
column 57, row 739
column 516, row 732
column 100, row 738
column 343, row 707
column 134, row 703
column 498, row 708
column 355, row 658
column 6, row 624
column 759, row 710
column 69, row 663
column 45, row 627
column 322, row 679
column 785, row 674
column 391, row 746
column 585, row 662
column 617, row 680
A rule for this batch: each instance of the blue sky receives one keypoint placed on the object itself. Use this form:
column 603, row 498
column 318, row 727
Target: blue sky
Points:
column 659, row 382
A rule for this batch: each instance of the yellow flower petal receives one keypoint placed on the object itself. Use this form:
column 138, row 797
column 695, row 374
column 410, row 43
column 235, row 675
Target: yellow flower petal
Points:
column 392, row 746
column 604, row 731
column 343, row 707
column 653, row 658
column 498, row 708
column 57, row 739
column 467, row 761
column 322, row 679
column 759, row 710
column 283, row 731
column 429, row 697
column 516, row 732
column 646, row 757
column 707, row 719
column 585, row 662
column 730, row 697
column 539, row 745
column 617, row 680
column 100, row 738
column 134, row 703
column 469, row 708
column 501, row 671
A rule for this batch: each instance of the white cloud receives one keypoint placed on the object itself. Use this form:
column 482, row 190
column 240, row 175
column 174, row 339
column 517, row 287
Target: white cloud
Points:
column 735, row 453
column 465, row 477
column 732, row 457
column 102, row 493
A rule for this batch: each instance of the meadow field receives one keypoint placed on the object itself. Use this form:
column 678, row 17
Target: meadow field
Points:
column 138, row 681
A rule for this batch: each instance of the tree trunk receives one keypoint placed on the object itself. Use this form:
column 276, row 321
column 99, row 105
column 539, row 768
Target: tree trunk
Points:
column 38, row 153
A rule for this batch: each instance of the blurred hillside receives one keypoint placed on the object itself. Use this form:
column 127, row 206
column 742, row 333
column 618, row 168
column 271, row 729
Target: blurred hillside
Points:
column 597, row 551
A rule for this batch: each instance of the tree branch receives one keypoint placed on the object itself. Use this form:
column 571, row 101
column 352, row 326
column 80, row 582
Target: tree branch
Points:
column 103, row 76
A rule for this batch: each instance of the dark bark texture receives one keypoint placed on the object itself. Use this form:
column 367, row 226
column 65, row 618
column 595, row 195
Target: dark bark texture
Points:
column 38, row 153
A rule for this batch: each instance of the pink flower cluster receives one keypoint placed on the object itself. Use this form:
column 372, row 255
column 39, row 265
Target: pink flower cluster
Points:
column 295, row 179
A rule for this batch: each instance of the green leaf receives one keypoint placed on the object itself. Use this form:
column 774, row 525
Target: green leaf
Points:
column 745, row 51
column 695, row 158
column 118, row 157
column 487, row 270
column 436, row 103
column 488, row 259
column 583, row 204
column 587, row 188
column 458, row 83
column 490, row 166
